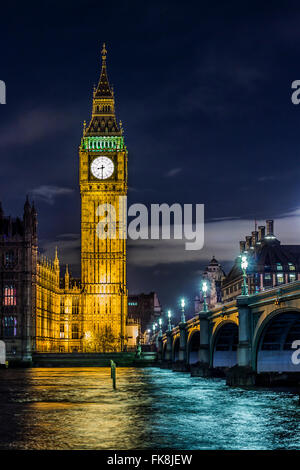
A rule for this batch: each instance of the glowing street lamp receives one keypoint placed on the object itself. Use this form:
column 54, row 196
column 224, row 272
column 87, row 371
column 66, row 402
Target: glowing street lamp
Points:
column 160, row 325
column 155, row 335
column 169, row 320
column 204, row 289
column 182, row 310
column 148, row 335
column 244, row 266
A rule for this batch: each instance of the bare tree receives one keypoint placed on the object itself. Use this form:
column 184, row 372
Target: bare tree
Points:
column 103, row 340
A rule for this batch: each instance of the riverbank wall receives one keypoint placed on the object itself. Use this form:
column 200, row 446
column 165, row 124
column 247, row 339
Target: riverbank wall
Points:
column 125, row 359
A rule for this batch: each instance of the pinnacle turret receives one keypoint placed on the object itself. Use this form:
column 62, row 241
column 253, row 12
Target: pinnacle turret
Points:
column 56, row 260
column 103, row 89
column 103, row 122
column 27, row 207
column 67, row 278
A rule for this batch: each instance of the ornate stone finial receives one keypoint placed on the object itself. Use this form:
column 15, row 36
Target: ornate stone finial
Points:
column 27, row 204
column 121, row 126
column 33, row 209
column 104, row 52
column 84, row 127
column 67, row 278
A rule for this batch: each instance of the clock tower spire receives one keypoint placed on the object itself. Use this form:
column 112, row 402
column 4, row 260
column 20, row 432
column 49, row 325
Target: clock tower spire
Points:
column 103, row 121
column 103, row 188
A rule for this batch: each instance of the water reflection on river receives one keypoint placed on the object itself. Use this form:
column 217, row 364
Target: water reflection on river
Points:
column 151, row 408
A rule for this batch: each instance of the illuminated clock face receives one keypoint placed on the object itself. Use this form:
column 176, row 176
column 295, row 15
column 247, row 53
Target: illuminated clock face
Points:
column 102, row 168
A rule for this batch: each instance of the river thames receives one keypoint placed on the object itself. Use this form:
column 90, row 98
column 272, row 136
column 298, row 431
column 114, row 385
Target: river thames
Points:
column 151, row 409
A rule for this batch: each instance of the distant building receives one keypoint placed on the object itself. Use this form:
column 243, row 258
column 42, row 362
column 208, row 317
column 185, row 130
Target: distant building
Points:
column 18, row 274
column 145, row 309
column 133, row 331
column 270, row 263
column 39, row 311
column 215, row 275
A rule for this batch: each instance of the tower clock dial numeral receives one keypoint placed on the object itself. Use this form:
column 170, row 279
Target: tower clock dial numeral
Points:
column 102, row 168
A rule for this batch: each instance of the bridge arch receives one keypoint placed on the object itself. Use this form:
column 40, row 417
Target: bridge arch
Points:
column 273, row 339
column 175, row 348
column 193, row 345
column 224, row 344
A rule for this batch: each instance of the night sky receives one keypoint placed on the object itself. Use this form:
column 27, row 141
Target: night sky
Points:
column 204, row 93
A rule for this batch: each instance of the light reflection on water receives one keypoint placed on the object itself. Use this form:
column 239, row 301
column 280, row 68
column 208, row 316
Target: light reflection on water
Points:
column 151, row 408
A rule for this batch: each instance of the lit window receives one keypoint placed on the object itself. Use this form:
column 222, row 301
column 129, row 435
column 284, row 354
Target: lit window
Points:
column 9, row 295
column 268, row 280
column 62, row 306
column 75, row 305
column 62, row 331
column 280, row 278
column 10, row 259
column 292, row 277
column 279, row 266
column 75, row 331
column 291, row 267
column 9, row 326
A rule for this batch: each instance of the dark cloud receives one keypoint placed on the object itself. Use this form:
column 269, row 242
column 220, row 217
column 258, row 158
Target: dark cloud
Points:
column 201, row 88
column 173, row 172
column 49, row 193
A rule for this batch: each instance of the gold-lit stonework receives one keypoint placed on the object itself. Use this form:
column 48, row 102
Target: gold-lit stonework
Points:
column 90, row 315
column 103, row 260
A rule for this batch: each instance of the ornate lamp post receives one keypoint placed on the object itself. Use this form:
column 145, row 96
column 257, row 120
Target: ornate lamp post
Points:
column 204, row 291
column 160, row 327
column 147, row 336
column 155, row 336
column 182, row 311
column 244, row 266
column 169, row 320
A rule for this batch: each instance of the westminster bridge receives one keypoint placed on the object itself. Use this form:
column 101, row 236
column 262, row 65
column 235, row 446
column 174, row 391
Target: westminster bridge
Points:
column 253, row 336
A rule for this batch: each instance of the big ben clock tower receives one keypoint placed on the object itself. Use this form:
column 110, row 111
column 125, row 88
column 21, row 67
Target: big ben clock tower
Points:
column 103, row 188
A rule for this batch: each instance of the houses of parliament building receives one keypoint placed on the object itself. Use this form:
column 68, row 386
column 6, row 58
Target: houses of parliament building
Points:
column 43, row 312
